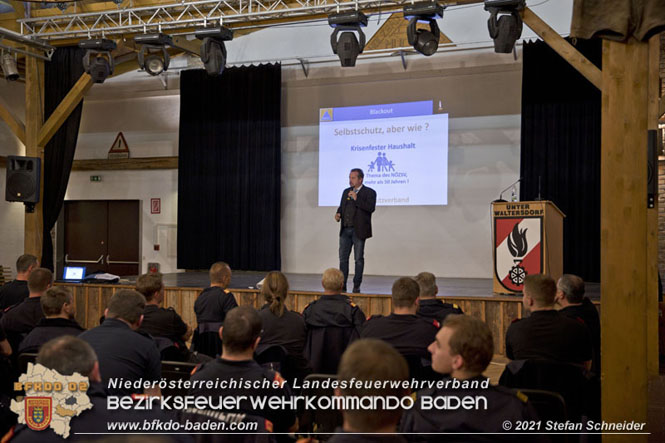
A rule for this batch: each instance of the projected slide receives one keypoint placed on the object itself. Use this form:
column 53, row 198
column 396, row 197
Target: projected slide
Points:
column 401, row 147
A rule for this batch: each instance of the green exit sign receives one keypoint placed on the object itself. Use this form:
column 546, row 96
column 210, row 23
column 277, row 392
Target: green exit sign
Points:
column 95, row 178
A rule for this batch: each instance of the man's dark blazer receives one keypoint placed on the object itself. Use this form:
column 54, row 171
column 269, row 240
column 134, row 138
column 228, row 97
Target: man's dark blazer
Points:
column 365, row 205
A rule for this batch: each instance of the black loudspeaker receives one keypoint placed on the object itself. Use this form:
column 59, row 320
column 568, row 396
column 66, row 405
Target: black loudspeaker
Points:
column 22, row 184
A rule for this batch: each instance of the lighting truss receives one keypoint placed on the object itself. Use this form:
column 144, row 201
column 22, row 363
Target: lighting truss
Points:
column 189, row 14
column 43, row 50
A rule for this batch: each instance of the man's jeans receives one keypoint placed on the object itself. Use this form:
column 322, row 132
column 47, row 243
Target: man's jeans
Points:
column 347, row 239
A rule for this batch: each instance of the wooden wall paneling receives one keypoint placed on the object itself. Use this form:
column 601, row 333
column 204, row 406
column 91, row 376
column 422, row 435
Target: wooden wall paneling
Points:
column 171, row 299
column 81, row 297
column 474, row 309
column 246, row 298
column 187, row 312
column 107, row 293
column 493, row 320
column 304, row 300
column 511, row 311
column 92, row 310
column 291, row 302
column 362, row 303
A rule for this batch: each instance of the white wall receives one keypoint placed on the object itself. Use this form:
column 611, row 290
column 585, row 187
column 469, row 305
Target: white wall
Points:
column 150, row 127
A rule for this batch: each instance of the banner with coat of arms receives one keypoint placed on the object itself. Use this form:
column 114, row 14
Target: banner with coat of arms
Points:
column 518, row 250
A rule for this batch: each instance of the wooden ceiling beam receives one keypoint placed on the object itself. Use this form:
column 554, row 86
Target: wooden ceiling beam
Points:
column 118, row 164
column 17, row 127
column 64, row 109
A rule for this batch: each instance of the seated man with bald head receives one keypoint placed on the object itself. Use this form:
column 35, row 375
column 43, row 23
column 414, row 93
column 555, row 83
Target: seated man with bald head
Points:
column 546, row 333
column 570, row 296
column 429, row 305
column 123, row 351
column 211, row 307
column 333, row 321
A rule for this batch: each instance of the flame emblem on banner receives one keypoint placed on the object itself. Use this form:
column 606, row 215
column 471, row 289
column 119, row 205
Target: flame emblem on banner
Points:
column 517, row 244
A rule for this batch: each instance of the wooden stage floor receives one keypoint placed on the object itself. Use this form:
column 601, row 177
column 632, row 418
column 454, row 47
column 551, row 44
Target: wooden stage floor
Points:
column 372, row 284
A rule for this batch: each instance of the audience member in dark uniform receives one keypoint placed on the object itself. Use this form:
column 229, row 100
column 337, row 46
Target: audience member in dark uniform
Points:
column 17, row 290
column 211, row 307
column 546, row 333
column 6, row 375
column 429, row 306
column 163, row 324
column 5, row 347
column 240, row 337
column 58, row 307
column 123, row 351
column 67, row 355
column 20, row 319
column 333, row 321
column 463, row 349
column 282, row 327
column 370, row 360
column 408, row 333
column 570, row 296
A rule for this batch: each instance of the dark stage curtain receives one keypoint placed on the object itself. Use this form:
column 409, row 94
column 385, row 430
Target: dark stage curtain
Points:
column 60, row 74
column 229, row 168
column 560, row 142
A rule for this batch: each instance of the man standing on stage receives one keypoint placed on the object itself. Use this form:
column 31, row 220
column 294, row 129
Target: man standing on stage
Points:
column 355, row 212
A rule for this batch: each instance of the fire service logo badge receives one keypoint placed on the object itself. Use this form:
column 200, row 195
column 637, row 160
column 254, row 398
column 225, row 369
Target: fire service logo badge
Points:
column 38, row 412
column 517, row 250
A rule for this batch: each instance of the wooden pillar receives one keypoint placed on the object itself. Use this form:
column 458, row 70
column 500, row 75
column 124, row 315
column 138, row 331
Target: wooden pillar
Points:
column 653, row 114
column 625, row 256
column 34, row 118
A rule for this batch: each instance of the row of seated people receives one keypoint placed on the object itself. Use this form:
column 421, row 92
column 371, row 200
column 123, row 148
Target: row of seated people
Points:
column 461, row 352
column 329, row 323
column 546, row 334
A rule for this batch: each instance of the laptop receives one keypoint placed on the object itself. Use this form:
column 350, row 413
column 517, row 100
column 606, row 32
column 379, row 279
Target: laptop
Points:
column 73, row 274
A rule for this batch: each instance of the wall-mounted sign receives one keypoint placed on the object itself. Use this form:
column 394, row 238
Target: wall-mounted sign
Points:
column 119, row 148
column 155, row 205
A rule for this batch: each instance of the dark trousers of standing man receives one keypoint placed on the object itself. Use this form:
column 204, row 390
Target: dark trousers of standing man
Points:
column 347, row 239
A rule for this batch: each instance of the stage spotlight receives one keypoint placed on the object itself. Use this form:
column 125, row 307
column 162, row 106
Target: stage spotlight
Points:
column 101, row 65
column 9, row 67
column 149, row 57
column 213, row 50
column 423, row 40
column 505, row 23
column 347, row 46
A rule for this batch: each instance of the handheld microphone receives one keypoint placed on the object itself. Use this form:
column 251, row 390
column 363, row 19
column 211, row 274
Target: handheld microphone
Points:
column 500, row 199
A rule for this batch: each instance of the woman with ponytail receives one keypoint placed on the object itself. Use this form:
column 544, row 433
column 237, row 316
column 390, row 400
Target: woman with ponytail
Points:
column 282, row 327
